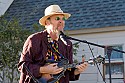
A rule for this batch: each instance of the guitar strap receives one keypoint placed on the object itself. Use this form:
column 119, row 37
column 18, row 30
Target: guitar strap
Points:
column 31, row 75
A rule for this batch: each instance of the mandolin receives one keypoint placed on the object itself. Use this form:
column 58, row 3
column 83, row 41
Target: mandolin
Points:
column 47, row 78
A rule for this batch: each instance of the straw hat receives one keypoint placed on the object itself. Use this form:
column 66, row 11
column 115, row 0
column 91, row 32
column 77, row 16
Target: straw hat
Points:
column 52, row 10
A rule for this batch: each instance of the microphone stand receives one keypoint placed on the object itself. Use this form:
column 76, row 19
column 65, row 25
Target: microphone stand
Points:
column 108, row 51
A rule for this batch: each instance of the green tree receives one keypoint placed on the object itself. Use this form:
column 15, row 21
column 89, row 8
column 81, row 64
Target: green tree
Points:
column 12, row 37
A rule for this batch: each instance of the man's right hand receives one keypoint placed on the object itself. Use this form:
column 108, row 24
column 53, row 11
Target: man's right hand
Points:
column 50, row 69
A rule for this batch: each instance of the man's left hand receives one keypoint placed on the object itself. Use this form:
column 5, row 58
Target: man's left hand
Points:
column 81, row 68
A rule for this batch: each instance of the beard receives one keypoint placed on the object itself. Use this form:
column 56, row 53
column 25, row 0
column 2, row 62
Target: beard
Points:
column 57, row 32
column 54, row 31
column 58, row 28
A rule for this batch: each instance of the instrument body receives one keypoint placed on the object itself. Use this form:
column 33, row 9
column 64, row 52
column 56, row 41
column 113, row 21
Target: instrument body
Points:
column 65, row 64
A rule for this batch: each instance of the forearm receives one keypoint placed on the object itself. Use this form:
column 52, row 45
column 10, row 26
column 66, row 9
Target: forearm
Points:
column 72, row 75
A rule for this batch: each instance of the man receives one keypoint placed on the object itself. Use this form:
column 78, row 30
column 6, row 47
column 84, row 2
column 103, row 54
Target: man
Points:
column 46, row 45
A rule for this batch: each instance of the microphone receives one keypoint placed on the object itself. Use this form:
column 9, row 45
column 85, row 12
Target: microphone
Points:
column 62, row 37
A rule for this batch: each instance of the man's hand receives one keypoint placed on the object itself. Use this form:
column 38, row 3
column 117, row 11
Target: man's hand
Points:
column 51, row 69
column 81, row 68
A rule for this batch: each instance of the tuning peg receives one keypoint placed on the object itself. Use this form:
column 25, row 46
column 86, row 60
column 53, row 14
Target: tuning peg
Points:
column 103, row 62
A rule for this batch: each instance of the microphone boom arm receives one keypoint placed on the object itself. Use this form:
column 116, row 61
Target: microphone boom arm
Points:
column 107, row 48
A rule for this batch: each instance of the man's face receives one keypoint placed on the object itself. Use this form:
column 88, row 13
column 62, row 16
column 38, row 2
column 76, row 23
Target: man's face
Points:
column 57, row 23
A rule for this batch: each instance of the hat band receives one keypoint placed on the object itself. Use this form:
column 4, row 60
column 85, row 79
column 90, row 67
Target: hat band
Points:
column 53, row 13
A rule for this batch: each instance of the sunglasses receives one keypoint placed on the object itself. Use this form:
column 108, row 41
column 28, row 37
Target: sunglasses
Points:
column 58, row 18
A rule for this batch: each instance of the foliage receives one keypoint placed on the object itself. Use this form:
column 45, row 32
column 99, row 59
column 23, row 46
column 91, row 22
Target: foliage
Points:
column 75, row 48
column 12, row 37
column 37, row 28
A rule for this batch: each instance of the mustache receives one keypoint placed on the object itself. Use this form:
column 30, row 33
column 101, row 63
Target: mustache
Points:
column 60, row 25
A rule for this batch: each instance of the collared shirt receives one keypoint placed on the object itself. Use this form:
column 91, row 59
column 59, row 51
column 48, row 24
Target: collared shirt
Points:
column 34, row 56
